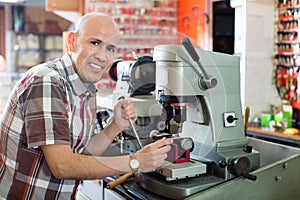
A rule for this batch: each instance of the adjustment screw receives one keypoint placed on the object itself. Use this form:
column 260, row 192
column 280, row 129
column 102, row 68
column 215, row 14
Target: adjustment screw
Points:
column 278, row 178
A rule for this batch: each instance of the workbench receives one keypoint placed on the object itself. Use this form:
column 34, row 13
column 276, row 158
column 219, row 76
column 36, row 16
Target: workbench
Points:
column 277, row 178
column 274, row 136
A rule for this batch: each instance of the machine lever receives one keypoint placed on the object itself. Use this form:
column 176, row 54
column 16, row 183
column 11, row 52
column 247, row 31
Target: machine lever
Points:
column 207, row 81
column 249, row 176
column 191, row 50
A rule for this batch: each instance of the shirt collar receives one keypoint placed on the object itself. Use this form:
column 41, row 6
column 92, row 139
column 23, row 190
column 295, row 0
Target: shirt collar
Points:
column 75, row 81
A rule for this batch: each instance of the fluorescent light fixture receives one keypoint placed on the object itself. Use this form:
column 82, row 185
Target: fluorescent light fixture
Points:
column 12, row 1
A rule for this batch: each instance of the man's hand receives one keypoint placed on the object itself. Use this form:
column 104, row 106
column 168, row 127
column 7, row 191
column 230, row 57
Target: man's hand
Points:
column 123, row 111
column 153, row 155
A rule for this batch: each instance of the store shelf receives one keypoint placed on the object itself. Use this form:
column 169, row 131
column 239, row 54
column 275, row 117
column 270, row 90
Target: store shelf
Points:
column 287, row 51
column 143, row 24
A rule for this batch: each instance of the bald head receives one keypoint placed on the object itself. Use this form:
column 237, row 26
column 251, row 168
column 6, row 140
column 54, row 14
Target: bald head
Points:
column 96, row 19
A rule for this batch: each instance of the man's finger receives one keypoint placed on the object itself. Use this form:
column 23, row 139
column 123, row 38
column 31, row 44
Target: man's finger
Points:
column 162, row 142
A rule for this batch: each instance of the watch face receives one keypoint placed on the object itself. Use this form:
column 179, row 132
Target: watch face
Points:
column 134, row 163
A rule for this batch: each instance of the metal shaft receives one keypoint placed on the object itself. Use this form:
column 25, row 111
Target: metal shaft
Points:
column 135, row 133
column 133, row 128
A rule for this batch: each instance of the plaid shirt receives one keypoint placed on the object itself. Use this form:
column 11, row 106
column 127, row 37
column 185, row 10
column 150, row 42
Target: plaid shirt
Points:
column 49, row 105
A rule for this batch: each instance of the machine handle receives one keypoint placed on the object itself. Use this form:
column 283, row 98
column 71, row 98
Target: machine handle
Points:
column 192, row 52
column 246, row 118
column 239, row 167
column 119, row 180
column 207, row 81
column 249, row 176
column 190, row 49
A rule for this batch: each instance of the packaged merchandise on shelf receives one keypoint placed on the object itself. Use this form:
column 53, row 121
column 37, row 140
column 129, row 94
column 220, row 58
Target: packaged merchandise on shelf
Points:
column 143, row 24
column 287, row 53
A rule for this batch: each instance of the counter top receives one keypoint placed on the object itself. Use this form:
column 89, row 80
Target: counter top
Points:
column 273, row 135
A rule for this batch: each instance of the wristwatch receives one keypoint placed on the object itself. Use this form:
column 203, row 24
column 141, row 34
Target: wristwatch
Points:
column 134, row 163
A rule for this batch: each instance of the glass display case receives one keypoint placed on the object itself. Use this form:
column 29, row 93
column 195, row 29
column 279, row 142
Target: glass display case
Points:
column 34, row 48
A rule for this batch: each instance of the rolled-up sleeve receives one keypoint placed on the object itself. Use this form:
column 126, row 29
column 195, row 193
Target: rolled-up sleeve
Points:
column 45, row 112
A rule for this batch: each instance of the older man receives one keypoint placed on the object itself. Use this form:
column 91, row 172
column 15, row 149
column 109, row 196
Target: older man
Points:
column 48, row 138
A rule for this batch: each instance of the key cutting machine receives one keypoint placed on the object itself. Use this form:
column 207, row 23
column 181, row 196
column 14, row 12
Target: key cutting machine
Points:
column 199, row 91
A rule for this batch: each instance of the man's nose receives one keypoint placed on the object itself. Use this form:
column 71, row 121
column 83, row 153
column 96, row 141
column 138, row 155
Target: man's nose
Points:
column 100, row 53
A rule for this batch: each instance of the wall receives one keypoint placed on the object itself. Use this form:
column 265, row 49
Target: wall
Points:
column 254, row 42
column 192, row 21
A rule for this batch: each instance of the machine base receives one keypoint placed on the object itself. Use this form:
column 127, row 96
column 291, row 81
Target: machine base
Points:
column 177, row 189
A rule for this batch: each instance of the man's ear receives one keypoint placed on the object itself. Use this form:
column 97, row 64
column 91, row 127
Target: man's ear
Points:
column 71, row 42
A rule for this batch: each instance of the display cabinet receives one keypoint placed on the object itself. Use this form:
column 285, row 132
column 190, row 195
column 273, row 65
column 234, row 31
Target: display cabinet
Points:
column 34, row 48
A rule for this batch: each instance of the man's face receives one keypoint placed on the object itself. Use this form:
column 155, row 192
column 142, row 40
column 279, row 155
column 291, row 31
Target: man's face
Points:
column 94, row 48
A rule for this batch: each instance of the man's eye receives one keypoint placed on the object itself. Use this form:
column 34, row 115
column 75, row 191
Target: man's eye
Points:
column 111, row 49
column 95, row 43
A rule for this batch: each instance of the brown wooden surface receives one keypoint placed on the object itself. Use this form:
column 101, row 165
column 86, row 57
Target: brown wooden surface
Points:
column 65, row 5
column 275, row 134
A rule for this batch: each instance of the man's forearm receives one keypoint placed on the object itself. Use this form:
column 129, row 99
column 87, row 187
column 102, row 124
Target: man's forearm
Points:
column 94, row 167
column 76, row 166
column 99, row 143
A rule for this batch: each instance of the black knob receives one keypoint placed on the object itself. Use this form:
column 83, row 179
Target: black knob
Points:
column 231, row 119
column 248, row 149
column 240, row 167
column 222, row 164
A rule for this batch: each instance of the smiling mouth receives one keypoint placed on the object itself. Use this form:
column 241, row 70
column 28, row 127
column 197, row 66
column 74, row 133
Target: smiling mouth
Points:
column 96, row 66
